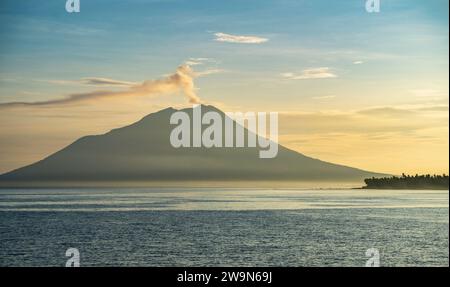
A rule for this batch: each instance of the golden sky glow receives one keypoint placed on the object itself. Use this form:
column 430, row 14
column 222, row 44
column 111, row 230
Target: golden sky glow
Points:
column 364, row 90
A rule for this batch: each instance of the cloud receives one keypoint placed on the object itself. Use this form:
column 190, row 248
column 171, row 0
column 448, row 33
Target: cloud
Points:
column 405, row 111
column 222, row 37
column 315, row 73
column 435, row 109
column 59, row 82
column 181, row 80
column 358, row 62
column 386, row 112
column 193, row 63
column 208, row 72
column 197, row 61
column 427, row 93
column 324, row 97
column 412, row 138
column 91, row 81
column 106, row 82
column 200, row 59
column 366, row 121
column 203, row 61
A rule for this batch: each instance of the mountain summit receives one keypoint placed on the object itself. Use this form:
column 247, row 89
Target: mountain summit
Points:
column 142, row 152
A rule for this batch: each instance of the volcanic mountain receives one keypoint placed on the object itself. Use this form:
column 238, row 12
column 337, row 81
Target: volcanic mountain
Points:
column 141, row 152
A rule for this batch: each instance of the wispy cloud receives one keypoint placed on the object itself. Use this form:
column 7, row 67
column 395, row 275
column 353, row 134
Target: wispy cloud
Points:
column 358, row 62
column 324, row 97
column 58, row 82
column 372, row 135
column 435, row 109
column 379, row 120
column 91, row 81
column 106, row 82
column 193, row 62
column 386, row 112
column 203, row 61
column 394, row 112
column 199, row 61
column 208, row 72
column 222, row 37
column 315, row 73
column 427, row 93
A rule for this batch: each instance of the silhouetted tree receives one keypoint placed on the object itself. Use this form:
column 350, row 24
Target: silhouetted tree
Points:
column 408, row 182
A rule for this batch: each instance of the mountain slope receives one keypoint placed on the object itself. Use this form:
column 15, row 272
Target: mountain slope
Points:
column 142, row 152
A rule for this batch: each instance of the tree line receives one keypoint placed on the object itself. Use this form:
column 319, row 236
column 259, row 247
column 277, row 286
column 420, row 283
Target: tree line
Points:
column 408, row 182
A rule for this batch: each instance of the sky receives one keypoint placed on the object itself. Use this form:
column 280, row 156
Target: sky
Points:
column 368, row 90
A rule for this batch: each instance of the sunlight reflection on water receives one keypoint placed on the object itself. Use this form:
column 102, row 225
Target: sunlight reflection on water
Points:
column 143, row 199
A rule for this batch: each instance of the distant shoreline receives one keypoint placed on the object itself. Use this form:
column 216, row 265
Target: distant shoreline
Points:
column 408, row 188
column 416, row 182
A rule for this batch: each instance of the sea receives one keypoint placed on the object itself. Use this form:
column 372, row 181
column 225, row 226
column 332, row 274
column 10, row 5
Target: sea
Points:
column 224, row 227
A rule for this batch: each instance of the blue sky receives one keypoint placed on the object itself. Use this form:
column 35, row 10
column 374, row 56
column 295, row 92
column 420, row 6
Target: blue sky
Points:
column 41, row 40
column 316, row 56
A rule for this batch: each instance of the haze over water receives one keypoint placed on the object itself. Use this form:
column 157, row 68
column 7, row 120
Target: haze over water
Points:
column 223, row 227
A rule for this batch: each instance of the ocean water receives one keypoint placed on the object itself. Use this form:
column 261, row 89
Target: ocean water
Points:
column 223, row 227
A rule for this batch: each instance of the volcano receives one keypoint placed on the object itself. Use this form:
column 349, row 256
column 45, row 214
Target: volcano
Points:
column 141, row 152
